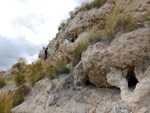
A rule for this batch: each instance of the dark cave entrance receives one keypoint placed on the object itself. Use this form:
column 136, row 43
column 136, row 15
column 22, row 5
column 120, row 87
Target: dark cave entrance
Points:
column 132, row 80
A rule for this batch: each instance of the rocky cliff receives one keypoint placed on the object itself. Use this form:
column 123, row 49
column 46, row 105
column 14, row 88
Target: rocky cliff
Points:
column 107, row 48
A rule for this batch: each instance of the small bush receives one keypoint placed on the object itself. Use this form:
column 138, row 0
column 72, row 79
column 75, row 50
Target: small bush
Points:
column 65, row 70
column 17, row 99
column 18, row 95
column 19, row 78
column 5, row 103
column 53, row 70
column 2, row 82
column 19, row 66
column 50, row 71
column 130, row 27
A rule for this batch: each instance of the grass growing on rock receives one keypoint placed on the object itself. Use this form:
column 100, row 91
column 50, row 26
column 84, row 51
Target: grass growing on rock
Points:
column 118, row 21
column 18, row 95
column 34, row 72
column 17, row 99
column 84, row 42
column 5, row 103
column 19, row 78
column 94, row 3
column 2, row 82
column 57, row 68
column 87, row 6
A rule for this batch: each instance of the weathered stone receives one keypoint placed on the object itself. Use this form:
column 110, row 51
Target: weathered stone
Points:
column 124, row 52
column 78, row 75
column 140, row 100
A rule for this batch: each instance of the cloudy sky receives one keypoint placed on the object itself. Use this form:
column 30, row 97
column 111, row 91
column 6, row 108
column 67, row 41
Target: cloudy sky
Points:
column 28, row 25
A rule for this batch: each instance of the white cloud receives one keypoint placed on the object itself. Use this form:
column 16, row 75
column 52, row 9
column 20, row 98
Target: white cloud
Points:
column 26, row 25
column 37, row 20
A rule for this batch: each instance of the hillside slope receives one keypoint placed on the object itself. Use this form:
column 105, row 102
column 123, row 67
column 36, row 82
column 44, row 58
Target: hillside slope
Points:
column 99, row 62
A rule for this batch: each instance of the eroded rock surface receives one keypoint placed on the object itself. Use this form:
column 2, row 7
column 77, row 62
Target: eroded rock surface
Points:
column 45, row 98
column 124, row 52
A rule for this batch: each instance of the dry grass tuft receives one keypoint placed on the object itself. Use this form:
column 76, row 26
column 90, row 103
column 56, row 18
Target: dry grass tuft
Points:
column 118, row 21
column 19, row 78
column 34, row 72
column 5, row 103
column 54, row 69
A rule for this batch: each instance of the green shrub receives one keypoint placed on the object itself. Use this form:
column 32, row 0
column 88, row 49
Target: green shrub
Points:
column 18, row 95
column 130, row 26
column 65, row 70
column 5, row 103
column 50, row 71
column 19, row 78
column 2, row 82
column 17, row 99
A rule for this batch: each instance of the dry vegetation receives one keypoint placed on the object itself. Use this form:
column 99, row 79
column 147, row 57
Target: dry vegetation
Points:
column 87, row 6
column 2, row 82
column 5, row 103
column 117, row 21
column 53, row 70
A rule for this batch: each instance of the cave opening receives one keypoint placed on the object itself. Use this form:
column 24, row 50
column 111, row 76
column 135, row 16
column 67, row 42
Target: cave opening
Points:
column 132, row 80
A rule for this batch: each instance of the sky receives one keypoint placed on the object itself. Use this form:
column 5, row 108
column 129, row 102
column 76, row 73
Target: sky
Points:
column 28, row 25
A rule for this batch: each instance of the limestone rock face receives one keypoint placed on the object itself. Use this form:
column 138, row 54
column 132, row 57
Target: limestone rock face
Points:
column 140, row 100
column 78, row 75
column 124, row 52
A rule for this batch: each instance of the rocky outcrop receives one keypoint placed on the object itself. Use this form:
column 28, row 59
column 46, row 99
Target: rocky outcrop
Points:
column 124, row 63
column 79, row 77
column 125, row 52
column 140, row 100
column 46, row 98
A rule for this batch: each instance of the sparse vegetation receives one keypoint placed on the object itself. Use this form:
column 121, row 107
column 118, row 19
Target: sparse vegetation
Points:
column 19, row 66
column 52, row 70
column 19, row 78
column 87, row 6
column 65, row 70
column 18, row 95
column 146, row 17
column 93, row 111
column 2, row 82
column 5, row 103
column 34, row 72
column 118, row 21
column 95, row 3
column 84, row 42
column 17, row 99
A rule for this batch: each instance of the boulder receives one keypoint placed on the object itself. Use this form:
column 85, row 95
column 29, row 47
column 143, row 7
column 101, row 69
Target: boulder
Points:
column 125, row 52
